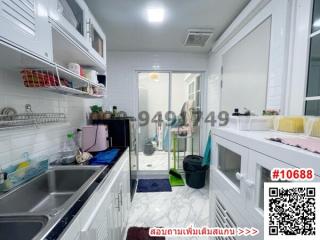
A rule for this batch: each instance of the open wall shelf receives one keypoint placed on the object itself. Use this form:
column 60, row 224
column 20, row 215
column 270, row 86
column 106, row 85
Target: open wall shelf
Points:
column 60, row 80
column 66, row 50
column 42, row 74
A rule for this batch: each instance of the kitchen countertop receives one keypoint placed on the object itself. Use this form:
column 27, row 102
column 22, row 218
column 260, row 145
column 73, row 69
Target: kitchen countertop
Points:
column 258, row 141
column 61, row 225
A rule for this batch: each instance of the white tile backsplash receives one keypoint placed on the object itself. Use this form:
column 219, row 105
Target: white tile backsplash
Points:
column 43, row 140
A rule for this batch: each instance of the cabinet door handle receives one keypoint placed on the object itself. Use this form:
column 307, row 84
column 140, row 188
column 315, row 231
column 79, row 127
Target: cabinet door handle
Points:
column 239, row 176
column 89, row 29
column 118, row 202
column 121, row 198
column 250, row 183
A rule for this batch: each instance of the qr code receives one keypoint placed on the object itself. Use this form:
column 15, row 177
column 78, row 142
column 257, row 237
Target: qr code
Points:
column 291, row 210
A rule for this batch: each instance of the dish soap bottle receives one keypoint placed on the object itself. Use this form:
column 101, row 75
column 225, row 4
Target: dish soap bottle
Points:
column 69, row 150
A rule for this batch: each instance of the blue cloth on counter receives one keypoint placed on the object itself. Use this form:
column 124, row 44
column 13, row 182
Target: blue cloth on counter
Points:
column 104, row 158
column 207, row 153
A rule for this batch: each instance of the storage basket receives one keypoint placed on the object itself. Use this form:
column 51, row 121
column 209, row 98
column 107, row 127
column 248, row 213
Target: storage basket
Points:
column 251, row 123
column 312, row 126
column 17, row 175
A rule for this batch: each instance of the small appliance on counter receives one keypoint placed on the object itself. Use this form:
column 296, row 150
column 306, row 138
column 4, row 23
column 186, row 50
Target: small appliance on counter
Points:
column 122, row 134
column 94, row 138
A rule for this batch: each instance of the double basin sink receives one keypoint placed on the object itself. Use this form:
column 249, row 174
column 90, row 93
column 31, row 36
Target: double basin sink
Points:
column 31, row 210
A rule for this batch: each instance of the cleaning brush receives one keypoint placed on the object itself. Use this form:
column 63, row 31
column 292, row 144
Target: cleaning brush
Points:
column 175, row 173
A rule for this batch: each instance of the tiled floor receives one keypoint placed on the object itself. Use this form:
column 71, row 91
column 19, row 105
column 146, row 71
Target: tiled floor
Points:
column 157, row 161
column 179, row 208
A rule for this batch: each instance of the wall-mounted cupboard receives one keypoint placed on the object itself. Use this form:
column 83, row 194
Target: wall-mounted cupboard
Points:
column 76, row 25
column 25, row 24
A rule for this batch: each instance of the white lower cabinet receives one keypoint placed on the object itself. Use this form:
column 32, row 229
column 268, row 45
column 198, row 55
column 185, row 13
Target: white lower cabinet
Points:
column 259, row 172
column 239, row 175
column 73, row 231
column 223, row 214
column 231, row 168
column 237, row 185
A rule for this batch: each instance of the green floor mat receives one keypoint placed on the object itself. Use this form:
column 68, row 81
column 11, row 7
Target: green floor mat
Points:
column 175, row 182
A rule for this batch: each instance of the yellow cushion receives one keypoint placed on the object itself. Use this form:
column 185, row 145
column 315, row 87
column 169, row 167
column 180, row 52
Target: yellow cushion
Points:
column 291, row 124
column 315, row 130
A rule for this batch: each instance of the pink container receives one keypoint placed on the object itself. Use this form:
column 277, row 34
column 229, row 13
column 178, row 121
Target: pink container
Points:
column 94, row 138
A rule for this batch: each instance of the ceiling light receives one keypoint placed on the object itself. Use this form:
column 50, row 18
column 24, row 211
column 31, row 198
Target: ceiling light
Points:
column 155, row 15
column 154, row 76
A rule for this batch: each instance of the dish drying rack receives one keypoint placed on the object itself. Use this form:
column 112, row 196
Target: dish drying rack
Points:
column 61, row 80
column 30, row 119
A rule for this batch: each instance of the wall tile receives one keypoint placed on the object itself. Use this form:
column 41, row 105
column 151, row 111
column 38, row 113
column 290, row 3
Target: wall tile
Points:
column 45, row 140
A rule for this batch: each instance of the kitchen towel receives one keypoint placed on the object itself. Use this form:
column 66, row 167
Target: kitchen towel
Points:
column 207, row 152
column 104, row 158
column 307, row 143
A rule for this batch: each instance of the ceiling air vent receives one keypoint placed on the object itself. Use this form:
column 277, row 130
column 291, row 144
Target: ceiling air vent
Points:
column 198, row 37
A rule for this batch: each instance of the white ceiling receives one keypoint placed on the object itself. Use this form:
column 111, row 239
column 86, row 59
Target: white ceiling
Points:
column 127, row 29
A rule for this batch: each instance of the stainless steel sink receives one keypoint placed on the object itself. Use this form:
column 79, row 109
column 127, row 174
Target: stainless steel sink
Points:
column 21, row 228
column 46, row 193
column 32, row 209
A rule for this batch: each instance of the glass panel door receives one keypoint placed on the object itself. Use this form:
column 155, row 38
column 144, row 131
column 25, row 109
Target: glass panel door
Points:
column 185, row 108
column 169, row 117
column 153, row 135
column 97, row 41
column 231, row 161
column 73, row 13
column 264, row 175
column 259, row 173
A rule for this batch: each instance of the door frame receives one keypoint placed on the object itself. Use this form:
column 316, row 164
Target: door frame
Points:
column 203, row 127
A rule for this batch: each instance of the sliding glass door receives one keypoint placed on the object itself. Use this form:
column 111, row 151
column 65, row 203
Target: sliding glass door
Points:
column 186, row 106
column 169, row 126
column 153, row 103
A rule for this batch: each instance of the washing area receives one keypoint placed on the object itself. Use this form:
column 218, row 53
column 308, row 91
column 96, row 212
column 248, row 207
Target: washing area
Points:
column 159, row 120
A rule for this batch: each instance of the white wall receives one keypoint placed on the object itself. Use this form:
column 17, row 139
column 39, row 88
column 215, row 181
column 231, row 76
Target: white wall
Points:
column 122, row 79
column 44, row 140
column 254, row 14
column 245, row 72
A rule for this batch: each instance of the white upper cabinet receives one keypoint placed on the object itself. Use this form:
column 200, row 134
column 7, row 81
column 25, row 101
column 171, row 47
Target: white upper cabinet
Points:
column 70, row 16
column 75, row 20
column 24, row 24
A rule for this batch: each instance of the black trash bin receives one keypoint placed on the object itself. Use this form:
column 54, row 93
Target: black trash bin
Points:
column 194, row 171
column 148, row 148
